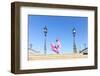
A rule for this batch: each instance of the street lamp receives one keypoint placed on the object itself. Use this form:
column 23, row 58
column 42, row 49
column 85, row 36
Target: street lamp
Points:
column 74, row 44
column 45, row 38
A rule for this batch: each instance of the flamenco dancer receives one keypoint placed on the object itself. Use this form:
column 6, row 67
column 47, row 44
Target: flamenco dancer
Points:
column 56, row 47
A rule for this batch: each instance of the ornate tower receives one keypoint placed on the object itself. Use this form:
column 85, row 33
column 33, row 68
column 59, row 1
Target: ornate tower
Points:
column 74, row 43
column 45, row 39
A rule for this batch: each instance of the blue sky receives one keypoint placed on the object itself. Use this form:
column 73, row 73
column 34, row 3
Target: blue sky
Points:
column 58, row 27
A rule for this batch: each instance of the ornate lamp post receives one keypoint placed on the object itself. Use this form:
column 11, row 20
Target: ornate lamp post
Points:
column 74, row 44
column 45, row 39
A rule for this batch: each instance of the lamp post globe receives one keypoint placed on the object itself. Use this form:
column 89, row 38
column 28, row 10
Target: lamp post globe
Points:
column 74, row 32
